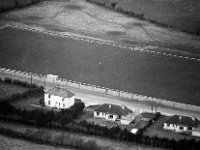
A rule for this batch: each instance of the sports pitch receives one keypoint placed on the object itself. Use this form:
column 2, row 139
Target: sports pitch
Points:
column 107, row 66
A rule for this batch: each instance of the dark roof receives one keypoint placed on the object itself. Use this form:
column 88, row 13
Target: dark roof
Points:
column 183, row 120
column 147, row 115
column 58, row 91
column 114, row 109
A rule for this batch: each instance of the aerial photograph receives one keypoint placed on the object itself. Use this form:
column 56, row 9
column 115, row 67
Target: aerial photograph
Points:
column 99, row 74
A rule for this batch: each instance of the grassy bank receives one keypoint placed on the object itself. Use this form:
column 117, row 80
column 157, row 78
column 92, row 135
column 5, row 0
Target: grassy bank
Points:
column 6, row 5
column 182, row 15
column 42, row 137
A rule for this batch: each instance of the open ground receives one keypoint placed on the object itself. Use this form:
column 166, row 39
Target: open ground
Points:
column 57, row 134
column 79, row 16
column 18, row 144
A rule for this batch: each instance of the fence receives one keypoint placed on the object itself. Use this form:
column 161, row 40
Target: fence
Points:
column 42, row 80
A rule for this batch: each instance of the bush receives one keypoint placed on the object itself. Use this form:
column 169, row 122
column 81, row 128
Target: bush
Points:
column 8, row 80
column 6, row 5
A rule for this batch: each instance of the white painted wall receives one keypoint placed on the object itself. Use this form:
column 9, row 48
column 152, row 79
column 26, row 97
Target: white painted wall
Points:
column 176, row 128
column 105, row 116
column 125, row 122
column 196, row 133
column 58, row 102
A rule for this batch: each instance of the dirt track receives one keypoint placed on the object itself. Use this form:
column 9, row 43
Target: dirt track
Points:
column 81, row 17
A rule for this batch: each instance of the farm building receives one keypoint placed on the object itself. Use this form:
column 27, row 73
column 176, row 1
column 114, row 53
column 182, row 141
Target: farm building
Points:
column 183, row 124
column 59, row 98
column 116, row 113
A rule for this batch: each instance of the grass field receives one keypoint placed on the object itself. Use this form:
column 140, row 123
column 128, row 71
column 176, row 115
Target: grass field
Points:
column 146, row 74
column 81, row 17
column 180, row 14
column 9, row 89
column 17, row 144
column 59, row 135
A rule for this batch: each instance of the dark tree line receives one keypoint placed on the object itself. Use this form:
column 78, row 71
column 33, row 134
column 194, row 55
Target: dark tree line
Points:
column 6, row 5
column 139, row 16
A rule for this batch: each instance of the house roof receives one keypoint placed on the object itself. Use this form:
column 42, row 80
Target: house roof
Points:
column 183, row 120
column 61, row 92
column 114, row 109
column 147, row 115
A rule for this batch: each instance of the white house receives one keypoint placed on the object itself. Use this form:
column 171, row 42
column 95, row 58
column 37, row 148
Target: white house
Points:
column 114, row 113
column 184, row 124
column 59, row 98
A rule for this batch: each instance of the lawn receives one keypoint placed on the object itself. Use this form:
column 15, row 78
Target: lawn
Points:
column 157, row 130
column 10, row 89
column 146, row 74
column 31, row 103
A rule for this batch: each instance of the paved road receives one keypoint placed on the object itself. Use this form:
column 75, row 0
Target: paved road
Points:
column 92, row 98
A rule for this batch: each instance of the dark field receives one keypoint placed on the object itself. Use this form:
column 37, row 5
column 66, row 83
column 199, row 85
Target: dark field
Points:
column 157, row 76
column 179, row 14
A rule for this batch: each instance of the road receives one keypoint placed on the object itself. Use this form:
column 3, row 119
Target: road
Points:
column 93, row 98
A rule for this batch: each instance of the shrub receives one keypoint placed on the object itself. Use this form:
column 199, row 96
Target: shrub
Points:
column 8, row 80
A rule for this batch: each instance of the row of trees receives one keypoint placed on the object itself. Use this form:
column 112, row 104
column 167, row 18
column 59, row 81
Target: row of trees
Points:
column 6, row 5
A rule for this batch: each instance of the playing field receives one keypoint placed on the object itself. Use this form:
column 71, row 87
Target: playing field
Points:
column 147, row 74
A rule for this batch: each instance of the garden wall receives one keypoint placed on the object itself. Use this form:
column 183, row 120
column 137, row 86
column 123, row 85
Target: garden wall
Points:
column 43, row 80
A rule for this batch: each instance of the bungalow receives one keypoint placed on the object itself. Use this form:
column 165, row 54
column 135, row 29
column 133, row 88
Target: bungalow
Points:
column 114, row 113
column 58, row 97
column 183, row 124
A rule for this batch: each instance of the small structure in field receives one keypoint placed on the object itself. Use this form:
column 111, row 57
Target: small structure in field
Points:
column 115, row 113
column 51, row 78
column 183, row 124
column 59, row 97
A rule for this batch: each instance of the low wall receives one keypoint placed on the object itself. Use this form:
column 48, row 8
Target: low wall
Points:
column 43, row 80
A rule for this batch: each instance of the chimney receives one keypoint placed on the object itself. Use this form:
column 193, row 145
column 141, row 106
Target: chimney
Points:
column 109, row 106
column 180, row 117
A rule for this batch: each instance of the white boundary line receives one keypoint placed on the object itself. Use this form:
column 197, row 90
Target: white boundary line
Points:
column 102, row 42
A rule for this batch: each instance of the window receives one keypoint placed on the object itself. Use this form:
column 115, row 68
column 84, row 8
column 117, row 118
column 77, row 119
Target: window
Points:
column 181, row 128
column 111, row 116
column 49, row 96
column 63, row 105
column 63, row 99
column 120, row 117
column 189, row 128
column 97, row 113
column 49, row 102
